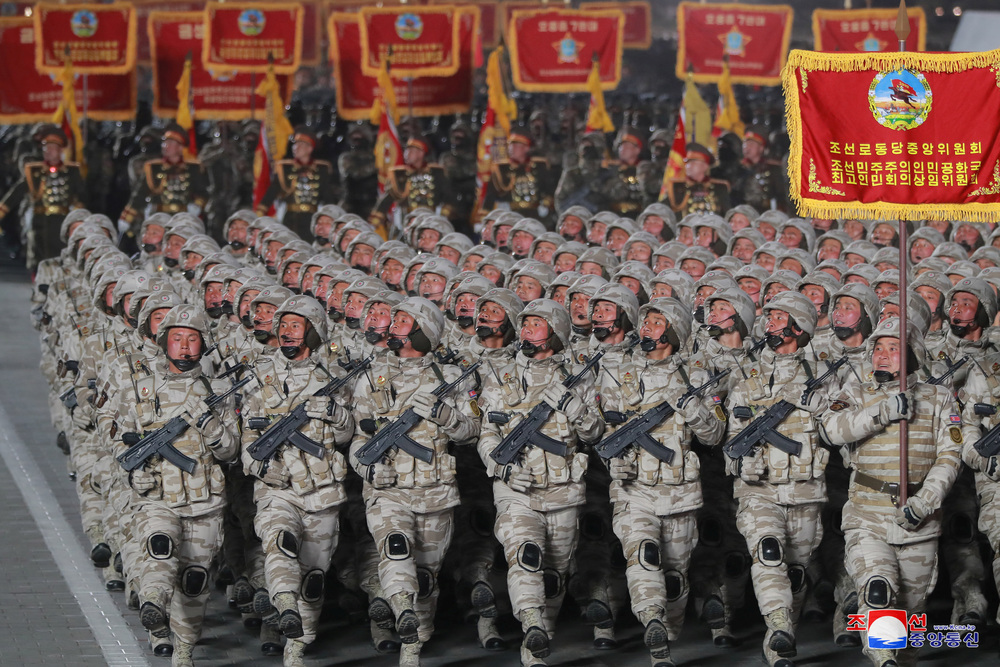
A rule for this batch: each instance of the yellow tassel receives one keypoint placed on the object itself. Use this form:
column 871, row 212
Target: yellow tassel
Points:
column 887, row 61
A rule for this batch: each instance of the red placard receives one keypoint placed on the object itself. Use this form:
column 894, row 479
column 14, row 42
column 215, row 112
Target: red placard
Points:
column 356, row 91
column 859, row 30
column 638, row 21
column 312, row 32
column 489, row 21
column 894, row 135
column 755, row 37
column 29, row 97
column 551, row 49
column 508, row 7
column 423, row 41
column 143, row 8
column 173, row 35
column 101, row 39
column 241, row 37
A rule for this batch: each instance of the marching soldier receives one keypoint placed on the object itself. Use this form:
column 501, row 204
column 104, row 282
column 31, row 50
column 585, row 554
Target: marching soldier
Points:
column 586, row 184
column 417, row 183
column 358, row 172
column 626, row 192
column 54, row 187
column 524, row 184
column 302, row 184
column 697, row 192
column 460, row 167
column 761, row 181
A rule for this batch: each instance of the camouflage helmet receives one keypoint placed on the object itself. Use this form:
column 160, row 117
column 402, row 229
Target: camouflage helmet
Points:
column 772, row 248
column 254, row 284
column 866, row 272
column 472, row 283
column 311, row 310
column 663, row 212
column 805, row 260
column 244, row 214
column 574, row 248
column 988, row 254
column 808, row 242
column 186, row 218
column 869, row 309
column 624, row 299
column 129, row 282
column 634, row 269
column 402, row 254
column 500, row 261
column 564, row 279
column 428, row 318
column 890, row 276
column 364, row 238
column 200, row 244
column 346, row 276
column 296, row 257
column 698, row 254
column 331, row 211
column 748, row 233
column 220, row 273
column 755, row 271
column 862, row 248
column 529, row 226
column 586, row 284
column 627, row 225
column 799, row 308
column 548, row 237
column 366, row 286
column 681, row 284
column 644, row 238
column 413, row 266
column 746, row 210
column 103, row 258
column 73, row 217
column 717, row 279
column 456, row 240
column 671, row 249
column 837, row 235
column 481, row 251
column 678, row 319
column 359, row 226
column 543, row 273
column 726, row 263
column 916, row 309
column 927, row 233
column 723, row 232
column 952, row 251
column 773, row 217
column 436, row 222
column 932, row 264
column 981, row 228
column 581, row 212
column 600, row 256
column 511, row 305
column 80, row 234
column 784, row 277
column 936, row 281
column 838, row 265
column 274, row 295
column 156, row 301
column 890, row 328
column 90, row 243
column 386, row 296
column 963, row 269
column 183, row 229
column 437, row 266
column 829, row 284
column 554, row 315
column 105, row 280
column 184, row 316
column 888, row 255
column 746, row 309
column 104, row 222
column 980, row 289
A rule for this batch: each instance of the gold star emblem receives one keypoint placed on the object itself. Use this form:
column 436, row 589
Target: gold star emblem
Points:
column 734, row 42
column 568, row 49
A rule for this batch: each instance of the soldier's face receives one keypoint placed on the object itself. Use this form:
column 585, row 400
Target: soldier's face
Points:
column 450, row 254
column 183, row 343
column 882, row 235
column 967, row 237
column 571, row 228
column 535, row 330
column 720, row 312
column 292, row 329
column 854, row 229
column 173, row 247
column 985, row 263
column 378, row 318
column 885, row 266
column 791, row 236
column 392, row 271
column 302, row 151
column 628, row 152
column 411, row 277
column 773, row 289
column 354, row 305
column 427, row 239
column 491, row 315
column 528, row 289
column 245, row 301
column 402, row 325
column 155, row 318
column 830, row 271
column 324, row 227
column 52, row 153
column 653, row 326
column 465, row 305
column 591, row 269
column 639, row 252
column 855, row 278
column 336, row 296
column 502, row 234
column 751, row 287
column 685, row 235
column 662, row 289
column 931, row 296
column 290, row 278
column 229, row 293
column 693, row 268
column 963, row 309
column 822, row 225
column 696, row 170
column 518, row 152
column 663, row 262
column 743, row 250
column 885, row 356
column 263, row 316
column 361, row 257
column 565, row 262
column 752, row 150
column 815, row 294
column 605, row 313
column 853, row 260
column 631, row 283
column 847, row 312
column 544, row 251
column 578, row 309
column 432, row 287
column 738, row 221
column 702, row 295
column 414, row 157
column 492, row 274
column 792, row 265
column 237, row 231
column 520, row 243
column 888, row 310
column 768, row 230
column 213, row 295
column 883, row 290
column 109, row 292
column 321, row 288
column 615, row 240
column 776, row 321
column 271, row 250
column 828, row 249
column 705, row 237
column 596, row 234
column 559, row 295
column 471, row 261
column 346, row 239
column 172, row 150
column 191, row 260
column 308, row 278
column 653, row 224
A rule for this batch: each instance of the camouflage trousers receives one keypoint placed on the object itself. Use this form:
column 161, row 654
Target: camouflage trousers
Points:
column 989, row 520
column 658, row 554
column 910, row 571
column 177, row 577
column 117, row 508
column 356, row 558
column 779, row 574
column 539, row 548
column 239, row 542
column 298, row 546
column 86, row 462
column 960, row 549
column 411, row 548
column 476, row 546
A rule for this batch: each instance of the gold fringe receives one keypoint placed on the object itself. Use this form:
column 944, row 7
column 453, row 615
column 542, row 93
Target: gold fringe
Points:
column 974, row 212
column 887, row 61
column 820, row 15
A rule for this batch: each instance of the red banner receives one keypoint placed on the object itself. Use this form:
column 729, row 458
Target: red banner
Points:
column 423, row 41
column 143, row 8
column 638, row 21
column 508, row 7
column 489, row 18
column 858, row 30
column 173, row 35
column 100, row 39
column 356, row 91
column 755, row 37
column 894, row 135
column 29, row 97
column 241, row 37
column 551, row 49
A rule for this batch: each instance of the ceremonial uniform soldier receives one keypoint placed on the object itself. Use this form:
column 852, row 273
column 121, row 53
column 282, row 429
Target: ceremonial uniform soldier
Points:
column 697, row 193
column 892, row 552
column 298, row 493
column 170, row 184
column 538, row 497
column 358, row 172
column 178, row 515
column 761, row 181
column 586, row 184
column 521, row 184
column 626, row 193
column 302, row 184
column 54, row 187
column 780, row 493
column 410, row 503
column 655, row 495
column 460, row 167
column 417, row 183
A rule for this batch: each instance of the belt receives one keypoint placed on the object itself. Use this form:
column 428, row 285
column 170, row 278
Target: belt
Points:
column 302, row 208
column 51, row 210
column 171, row 208
column 876, row 484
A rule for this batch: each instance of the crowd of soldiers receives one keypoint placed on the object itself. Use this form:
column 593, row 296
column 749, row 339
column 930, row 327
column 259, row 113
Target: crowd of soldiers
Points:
column 581, row 391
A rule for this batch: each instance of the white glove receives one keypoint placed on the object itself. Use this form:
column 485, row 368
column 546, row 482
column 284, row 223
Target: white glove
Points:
column 380, row 475
column 274, row 473
column 564, row 401
column 142, row 481
column 318, row 407
column 991, row 467
column 810, row 402
column 514, row 476
column 195, row 406
column 81, row 417
column 913, row 513
column 123, row 227
column 623, row 469
column 689, row 408
column 430, row 408
column 895, row 408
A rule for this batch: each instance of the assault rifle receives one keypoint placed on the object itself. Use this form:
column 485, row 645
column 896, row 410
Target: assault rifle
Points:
column 636, row 430
column 763, row 429
column 395, row 433
column 287, row 428
column 948, row 373
column 528, row 430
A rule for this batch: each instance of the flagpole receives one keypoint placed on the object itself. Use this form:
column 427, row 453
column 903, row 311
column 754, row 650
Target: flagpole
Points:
column 83, row 129
column 902, row 32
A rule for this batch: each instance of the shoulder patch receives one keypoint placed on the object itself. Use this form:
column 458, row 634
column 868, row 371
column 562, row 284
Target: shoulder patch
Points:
column 956, row 434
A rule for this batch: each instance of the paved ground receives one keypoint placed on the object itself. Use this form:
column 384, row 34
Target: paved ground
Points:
column 54, row 611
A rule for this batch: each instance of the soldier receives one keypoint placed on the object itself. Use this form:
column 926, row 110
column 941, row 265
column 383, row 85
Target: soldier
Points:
column 54, row 187
column 697, row 192
column 586, row 183
column 761, row 181
column 626, row 193
column 521, row 183
column 417, row 183
column 651, row 173
column 410, row 503
column 460, row 312
column 234, row 232
column 538, row 498
column 177, row 515
column 302, row 184
column 780, row 495
column 297, row 493
column 655, row 500
column 460, row 167
column 358, row 172
column 578, row 304
column 892, row 552
column 169, row 184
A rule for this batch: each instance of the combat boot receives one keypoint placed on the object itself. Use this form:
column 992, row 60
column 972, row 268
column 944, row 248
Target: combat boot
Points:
column 536, row 639
column 183, row 654
column 491, row 640
column 483, row 600
column 604, row 639
column 153, row 617
column 655, row 637
column 289, row 620
column 262, row 607
column 407, row 623
column 100, row 554
column 713, row 612
column 529, row 660
column 243, row 595
column 294, row 651
column 270, row 641
column 409, row 654
column 381, row 614
column 162, row 648
column 383, row 639
column 780, row 636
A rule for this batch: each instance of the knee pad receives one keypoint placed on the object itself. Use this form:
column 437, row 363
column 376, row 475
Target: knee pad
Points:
column 397, row 547
column 312, row 586
column 194, row 580
column 798, row 577
column 647, row 556
column 287, row 544
column 710, row 532
column 529, row 557
column 592, row 526
column 425, row 582
column 481, row 521
column 878, row 593
column 160, row 546
column 553, row 583
column 961, row 529
column 735, row 564
column 769, row 551
column 675, row 584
